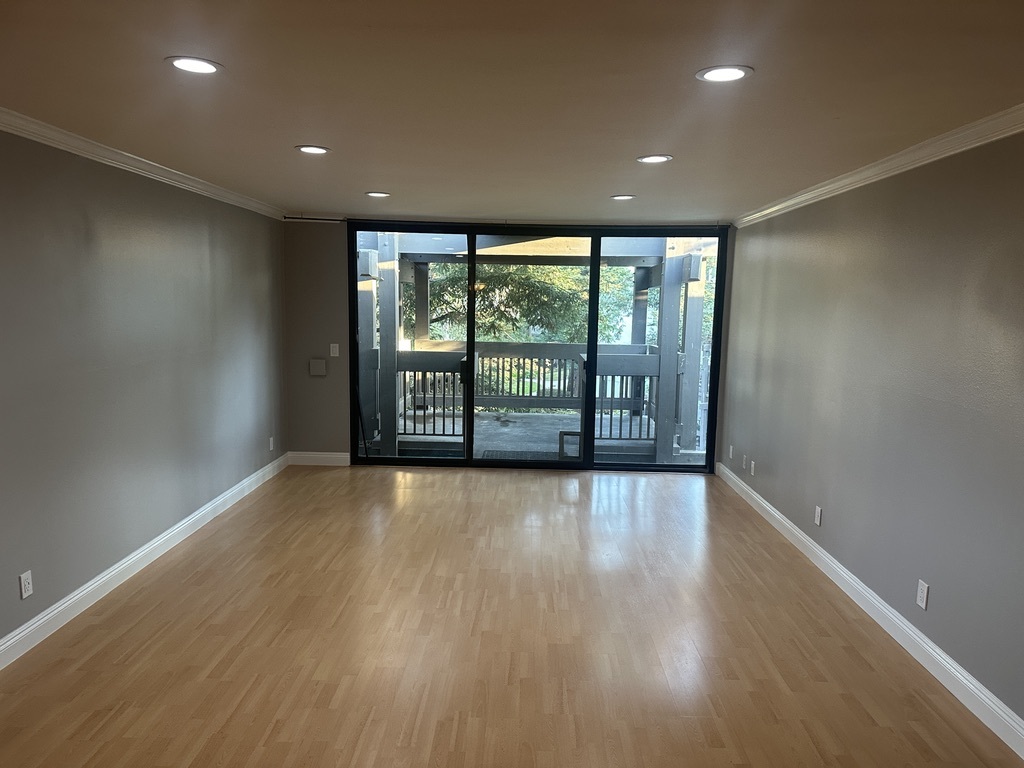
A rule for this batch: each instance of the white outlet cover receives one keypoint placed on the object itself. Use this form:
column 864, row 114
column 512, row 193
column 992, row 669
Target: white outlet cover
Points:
column 751, row 467
column 922, row 595
column 25, row 584
column 335, row 350
column 271, row 443
column 817, row 515
column 730, row 451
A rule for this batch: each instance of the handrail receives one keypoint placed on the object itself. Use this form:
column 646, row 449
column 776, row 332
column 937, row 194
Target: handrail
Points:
column 529, row 375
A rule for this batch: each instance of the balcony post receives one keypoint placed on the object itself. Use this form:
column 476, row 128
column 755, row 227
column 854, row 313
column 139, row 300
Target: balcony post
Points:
column 638, row 335
column 387, row 264
column 672, row 278
column 421, row 284
column 689, row 386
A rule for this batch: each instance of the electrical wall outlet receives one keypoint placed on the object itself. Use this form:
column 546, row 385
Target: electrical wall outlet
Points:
column 922, row 595
column 25, row 584
column 730, row 451
column 744, row 461
column 751, row 467
column 335, row 350
column 817, row 515
column 271, row 443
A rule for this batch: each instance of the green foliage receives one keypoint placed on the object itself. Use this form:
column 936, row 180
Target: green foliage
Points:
column 616, row 303
column 546, row 303
column 522, row 303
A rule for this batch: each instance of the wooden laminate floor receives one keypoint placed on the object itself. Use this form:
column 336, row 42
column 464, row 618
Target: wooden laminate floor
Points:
column 481, row 619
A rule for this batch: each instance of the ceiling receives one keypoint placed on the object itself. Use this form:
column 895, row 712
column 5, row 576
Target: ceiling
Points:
column 524, row 111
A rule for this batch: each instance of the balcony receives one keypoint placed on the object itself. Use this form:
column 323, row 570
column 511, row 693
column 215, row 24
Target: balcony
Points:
column 528, row 401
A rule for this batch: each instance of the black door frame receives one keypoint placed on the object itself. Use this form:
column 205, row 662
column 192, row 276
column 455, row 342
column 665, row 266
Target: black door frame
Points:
column 587, row 445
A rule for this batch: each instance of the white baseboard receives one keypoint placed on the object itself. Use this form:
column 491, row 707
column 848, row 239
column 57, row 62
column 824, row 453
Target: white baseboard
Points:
column 316, row 459
column 23, row 639
column 1003, row 721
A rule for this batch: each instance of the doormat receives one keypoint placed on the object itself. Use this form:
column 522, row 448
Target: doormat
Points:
column 520, row 455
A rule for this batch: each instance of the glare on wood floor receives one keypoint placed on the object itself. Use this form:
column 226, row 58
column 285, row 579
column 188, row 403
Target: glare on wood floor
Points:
column 481, row 619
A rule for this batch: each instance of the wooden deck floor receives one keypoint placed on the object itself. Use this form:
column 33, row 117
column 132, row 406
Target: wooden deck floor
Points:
column 481, row 619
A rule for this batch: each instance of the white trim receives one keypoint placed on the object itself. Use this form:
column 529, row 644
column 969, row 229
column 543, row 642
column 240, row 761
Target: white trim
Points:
column 997, row 126
column 30, row 128
column 23, row 639
column 1003, row 721
column 315, row 459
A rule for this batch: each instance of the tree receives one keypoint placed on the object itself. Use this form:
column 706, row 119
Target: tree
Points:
column 522, row 302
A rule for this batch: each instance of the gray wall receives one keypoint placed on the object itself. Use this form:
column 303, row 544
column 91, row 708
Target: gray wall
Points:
column 876, row 368
column 316, row 308
column 140, row 361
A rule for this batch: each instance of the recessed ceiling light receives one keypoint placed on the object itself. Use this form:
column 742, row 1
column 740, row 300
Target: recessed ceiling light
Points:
column 724, row 74
column 623, row 197
column 650, row 159
column 194, row 65
column 312, row 149
column 378, row 194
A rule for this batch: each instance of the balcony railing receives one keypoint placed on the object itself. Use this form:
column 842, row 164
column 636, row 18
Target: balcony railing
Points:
column 532, row 376
column 528, row 377
column 430, row 393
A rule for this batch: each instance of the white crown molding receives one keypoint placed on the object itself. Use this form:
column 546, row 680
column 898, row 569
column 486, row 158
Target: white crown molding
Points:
column 30, row 128
column 1003, row 721
column 989, row 129
column 26, row 637
column 317, row 459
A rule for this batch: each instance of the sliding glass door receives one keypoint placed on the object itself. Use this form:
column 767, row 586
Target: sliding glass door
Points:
column 537, row 346
column 532, row 299
column 653, row 380
column 411, row 301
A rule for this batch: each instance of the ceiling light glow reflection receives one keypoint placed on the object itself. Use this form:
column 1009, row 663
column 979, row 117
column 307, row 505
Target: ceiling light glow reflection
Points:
column 724, row 74
column 196, row 66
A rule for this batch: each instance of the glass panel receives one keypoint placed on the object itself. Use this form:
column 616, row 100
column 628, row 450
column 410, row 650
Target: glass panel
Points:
column 654, row 354
column 532, row 297
column 412, row 299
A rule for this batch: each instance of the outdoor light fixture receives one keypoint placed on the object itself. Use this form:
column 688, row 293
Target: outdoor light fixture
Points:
column 378, row 194
column 194, row 65
column 724, row 74
column 651, row 159
column 623, row 197
column 312, row 149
